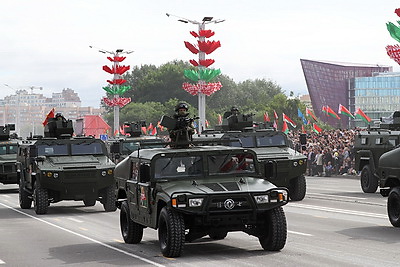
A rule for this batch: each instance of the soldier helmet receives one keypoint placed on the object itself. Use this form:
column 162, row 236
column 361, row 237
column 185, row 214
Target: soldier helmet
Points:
column 181, row 105
column 234, row 109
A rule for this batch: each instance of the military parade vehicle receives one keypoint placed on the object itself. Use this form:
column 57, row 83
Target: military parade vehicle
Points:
column 60, row 167
column 273, row 148
column 187, row 192
column 121, row 147
column 8, row 155
column 370, row 144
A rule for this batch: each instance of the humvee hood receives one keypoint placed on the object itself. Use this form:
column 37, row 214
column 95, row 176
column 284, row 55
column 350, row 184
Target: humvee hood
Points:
column 87, row 159
column 272, row 152
column 218, row 186
column 8, row 157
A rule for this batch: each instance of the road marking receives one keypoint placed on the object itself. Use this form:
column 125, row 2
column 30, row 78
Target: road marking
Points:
column 74, row 220
column 320, row 194
column 2, row 262
column 85, row 237
column 299, row 233
column 83, row 229
column 352, row 212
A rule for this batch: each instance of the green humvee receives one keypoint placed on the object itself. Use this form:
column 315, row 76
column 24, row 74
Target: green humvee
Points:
column 188, row 193
column 58, row 167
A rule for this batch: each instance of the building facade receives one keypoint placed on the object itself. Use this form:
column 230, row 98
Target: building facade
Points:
column 329, row 84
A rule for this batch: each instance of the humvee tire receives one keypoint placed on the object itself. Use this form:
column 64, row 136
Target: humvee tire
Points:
column 109, row 199
column 393, row 206
column 275, row 230
column 171, row 232
column 131, row 232
column 89, row 202
column 297, row 188
column 369, row 184
column 25, row 202
column 40, row 199
column 218, row 236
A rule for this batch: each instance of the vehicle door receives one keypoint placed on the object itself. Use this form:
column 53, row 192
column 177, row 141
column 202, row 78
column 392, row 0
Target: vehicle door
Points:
column 144, row 194
column 132, row 188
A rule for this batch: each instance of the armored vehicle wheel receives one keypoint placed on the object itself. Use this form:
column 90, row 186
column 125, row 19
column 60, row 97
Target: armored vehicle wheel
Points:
column 218, row 236
column 131, row 232
column 40, row 199
column 25, row 201
column 171, row 232
column 297, row 188
column 89, row 202
column 393, row 206
column 369, row 183
column 109, row 199
column 275, row 230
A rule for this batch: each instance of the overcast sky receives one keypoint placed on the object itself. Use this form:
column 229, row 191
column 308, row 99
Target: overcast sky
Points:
column 46, row 42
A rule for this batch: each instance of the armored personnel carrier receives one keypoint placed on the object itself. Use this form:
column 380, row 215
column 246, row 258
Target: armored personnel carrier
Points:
column 8, row 155
column 286, row 165
column 187, row 192
column 370, row 144
column 121, row 148
column 60, row 167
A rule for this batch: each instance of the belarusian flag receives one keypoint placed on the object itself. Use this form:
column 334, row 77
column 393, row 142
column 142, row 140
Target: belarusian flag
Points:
column 266, row 117
column 275, row 125
column 344, row 111
column 219, row 119
column 361, row 115
column 287, row 119
column 309, row 113
column 316, row 129
column 332, row 113
column 285, row 128
column 324, row 110
column 276, row 115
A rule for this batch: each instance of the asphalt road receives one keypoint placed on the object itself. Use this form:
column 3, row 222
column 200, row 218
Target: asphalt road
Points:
column 335, row 225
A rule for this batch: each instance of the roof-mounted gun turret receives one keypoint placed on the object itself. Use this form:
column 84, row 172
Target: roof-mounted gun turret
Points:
column 5, row 131
column 392, row 122
column 234, row 121
column 134, row 128
column 58, row 127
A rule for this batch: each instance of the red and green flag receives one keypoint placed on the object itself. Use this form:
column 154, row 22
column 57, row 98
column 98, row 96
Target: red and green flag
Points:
column 276, row 115
column 361, row 115
column 324, row 110
column 285, row 128
column 309, row 113
column 344, row 111
column 266, row 117
column 316, row 128
column 288, row 120
column 332, row 113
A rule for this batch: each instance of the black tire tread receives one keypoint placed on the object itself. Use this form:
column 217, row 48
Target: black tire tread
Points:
column 131, row 232
column 176, row 233
column 276, row 228
column 297, row 188
column 109, row 199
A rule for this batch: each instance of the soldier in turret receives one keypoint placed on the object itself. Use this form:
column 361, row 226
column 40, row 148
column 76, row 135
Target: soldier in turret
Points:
column 183, row 129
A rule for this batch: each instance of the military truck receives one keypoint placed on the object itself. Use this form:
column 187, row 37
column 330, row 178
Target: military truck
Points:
column 187, row 192
column 60, row 167
column 8, row 155
column 388, row 171
column 370, row 144
column 287, row 166
column 121, row 147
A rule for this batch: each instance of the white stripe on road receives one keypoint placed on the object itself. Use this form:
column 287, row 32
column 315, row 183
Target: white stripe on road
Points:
column 299, row 233
column 336, row 196
column 352, row 212
column 2, row 262
column 74, row 220
column 85, row 237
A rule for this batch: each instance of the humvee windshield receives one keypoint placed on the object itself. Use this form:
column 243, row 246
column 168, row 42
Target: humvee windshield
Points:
column 130, row 146
column 52, row 150
column 222, row 164
column 8, row 149
column 87, row 149
column 76, row 149
column 260, row 141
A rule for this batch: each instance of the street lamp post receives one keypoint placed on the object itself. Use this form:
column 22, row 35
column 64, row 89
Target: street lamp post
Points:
column 17, row 117
column 201, row 95
column 116, row 76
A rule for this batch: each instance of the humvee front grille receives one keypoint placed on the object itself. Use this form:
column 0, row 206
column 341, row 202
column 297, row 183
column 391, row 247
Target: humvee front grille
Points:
column 229, row 203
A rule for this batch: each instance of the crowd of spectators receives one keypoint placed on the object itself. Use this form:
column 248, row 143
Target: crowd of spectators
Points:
column 329, row 152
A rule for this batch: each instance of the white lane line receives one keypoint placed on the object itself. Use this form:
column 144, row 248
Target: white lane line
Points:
column 299, row 233
column 352, row 212
column 2, row 262
column 319, row 194
column 85, row 237
column 74, row 220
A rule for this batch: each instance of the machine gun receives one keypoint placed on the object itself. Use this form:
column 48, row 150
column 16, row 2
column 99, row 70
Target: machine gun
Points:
column 180, row 129
column 58, row 127
column 392, row 122
column 235, row 122
column 134, row 128
column 5, row 131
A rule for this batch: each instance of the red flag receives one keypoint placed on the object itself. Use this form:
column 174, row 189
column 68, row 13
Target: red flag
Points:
column 150, row 127
column 324, row 110
column 160, row 126
column 219, row 119
column 288, row 120
column 361, row 115
column 266, row 117
column 50, row 115
column 303, row 130
column 207, row 124
column 275, row 125
column 276, row 115
column 154, row 131
column 344, row 111
column 121, row 130
column 332, row 113
column 316, row 128
column 309, row 113
column 285, row 128
column 144, row 130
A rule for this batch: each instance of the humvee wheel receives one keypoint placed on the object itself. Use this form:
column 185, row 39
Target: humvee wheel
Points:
column 369, row 183
column 89, row 202
column 275, row 230
column 171, row 232
column 297, row 188
column 393, row 206
column 40, row 199
column 109, row 199
column 218, row 236
column 131, row 232
column 25, row 202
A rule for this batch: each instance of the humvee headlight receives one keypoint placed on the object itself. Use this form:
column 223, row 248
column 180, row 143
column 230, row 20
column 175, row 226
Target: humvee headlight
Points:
column 301, row 162
column 55, row 175
column 295, row 163
column 195, row 202
column 49, row 174
column 103, row 173
column 261, row 199
column 110, row 171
